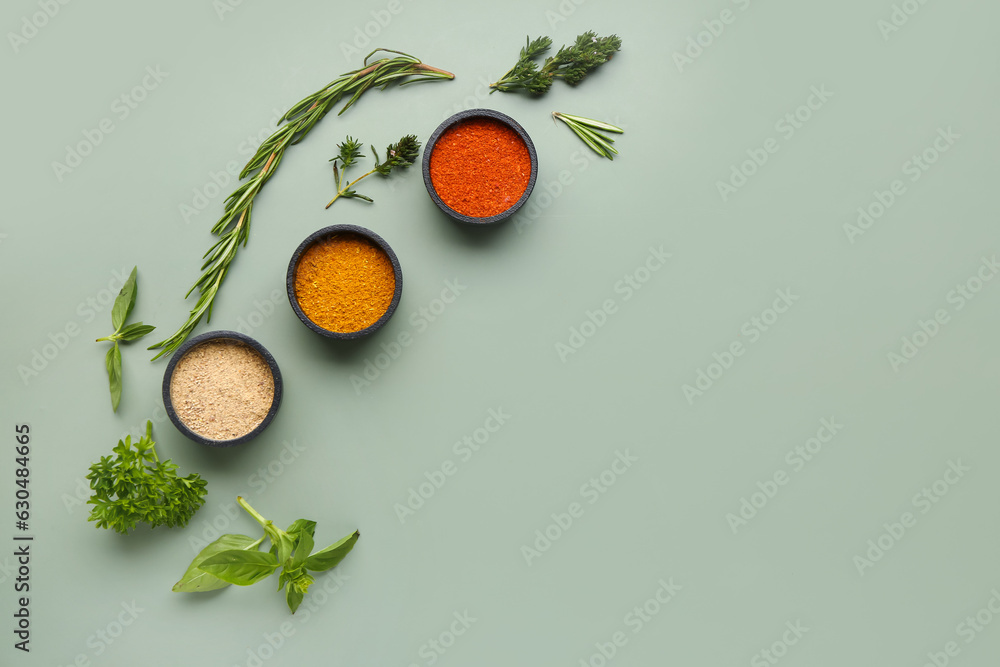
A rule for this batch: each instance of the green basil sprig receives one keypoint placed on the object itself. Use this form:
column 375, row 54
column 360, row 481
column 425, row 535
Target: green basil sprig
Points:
column 125, row 334
column 237, row 559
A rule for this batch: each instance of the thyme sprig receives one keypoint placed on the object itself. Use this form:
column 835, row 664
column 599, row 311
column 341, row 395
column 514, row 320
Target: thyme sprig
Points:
column 572, row 64
column 399, row 155
column 233, row 228
column 590, row 131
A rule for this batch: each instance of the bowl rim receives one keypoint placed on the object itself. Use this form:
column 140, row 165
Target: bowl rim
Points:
column 221, row 334
column 466, row 115
column 339, row 229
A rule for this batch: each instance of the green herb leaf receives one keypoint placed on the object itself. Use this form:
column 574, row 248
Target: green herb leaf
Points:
column 303, row 548
column 302, row 526
column 293, row 596
column 589, row 132
column 113, row 361
column 328, row 558
column 136, row 487
column 239, row 567
column 124, row 302
column 135, row 331
column 196, row 580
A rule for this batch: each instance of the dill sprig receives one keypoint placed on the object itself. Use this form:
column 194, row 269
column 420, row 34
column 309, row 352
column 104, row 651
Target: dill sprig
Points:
column 399, row 155
column 571, row 64
column 233, row 228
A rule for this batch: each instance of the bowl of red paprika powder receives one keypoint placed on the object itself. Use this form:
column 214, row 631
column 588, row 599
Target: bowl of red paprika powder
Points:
column 344, row 282
column 480, row 166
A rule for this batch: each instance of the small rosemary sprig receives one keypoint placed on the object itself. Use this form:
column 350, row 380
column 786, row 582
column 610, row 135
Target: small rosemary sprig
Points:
column 590, row 132
column 400, row 155
column 572, row 63
column 233, row 228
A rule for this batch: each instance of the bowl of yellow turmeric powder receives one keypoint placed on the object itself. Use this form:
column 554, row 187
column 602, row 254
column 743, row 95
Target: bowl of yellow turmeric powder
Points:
column 344, row 282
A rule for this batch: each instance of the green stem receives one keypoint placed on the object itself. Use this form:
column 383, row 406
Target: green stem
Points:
column 252, row 512
column 348, row 187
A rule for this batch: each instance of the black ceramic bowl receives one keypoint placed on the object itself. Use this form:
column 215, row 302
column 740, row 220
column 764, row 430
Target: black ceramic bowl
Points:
column 225, row 336
column 468, row 115
column 320, row 235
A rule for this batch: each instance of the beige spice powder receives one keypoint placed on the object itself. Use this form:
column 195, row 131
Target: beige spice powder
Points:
column 222, row 389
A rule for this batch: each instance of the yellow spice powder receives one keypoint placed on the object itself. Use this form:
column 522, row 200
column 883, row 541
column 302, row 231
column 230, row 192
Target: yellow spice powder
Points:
column 344, row 283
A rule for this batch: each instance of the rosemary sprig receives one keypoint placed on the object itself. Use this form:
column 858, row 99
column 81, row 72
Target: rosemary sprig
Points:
column 572, row 63
column 233, row 228
column 399, row 155
column 590, row 132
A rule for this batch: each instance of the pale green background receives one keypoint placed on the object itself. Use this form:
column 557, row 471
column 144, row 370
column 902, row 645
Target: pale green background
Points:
column 527, row 284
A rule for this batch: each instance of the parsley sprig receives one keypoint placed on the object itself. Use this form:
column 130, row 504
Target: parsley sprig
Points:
column 136, row 486
column 572, row 64
column 399, row 155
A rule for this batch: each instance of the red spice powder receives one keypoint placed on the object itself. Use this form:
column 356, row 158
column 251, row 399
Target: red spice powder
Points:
column 480, row 167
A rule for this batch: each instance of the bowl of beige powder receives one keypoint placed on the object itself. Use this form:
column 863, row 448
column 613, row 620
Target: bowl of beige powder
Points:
column 221, row 388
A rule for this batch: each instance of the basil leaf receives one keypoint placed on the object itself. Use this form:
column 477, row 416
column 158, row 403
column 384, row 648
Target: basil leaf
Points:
column 302, row 549
column 302, row 525
column 196, row 580
column 113, row 361
column 293, row 596
column 135, row 331
column 242, row 568
column 282, row 543
column 328, row 558
column 124, row 302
